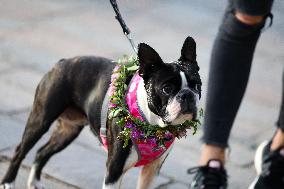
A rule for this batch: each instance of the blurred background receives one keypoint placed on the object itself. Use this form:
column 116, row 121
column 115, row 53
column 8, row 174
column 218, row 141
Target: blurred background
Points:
column 35, row 34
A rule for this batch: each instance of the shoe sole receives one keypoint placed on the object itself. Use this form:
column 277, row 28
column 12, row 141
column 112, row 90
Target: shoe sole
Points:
column 258, row 162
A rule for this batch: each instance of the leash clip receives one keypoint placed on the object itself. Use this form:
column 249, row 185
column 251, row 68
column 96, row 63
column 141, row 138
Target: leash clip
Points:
column 130, row 39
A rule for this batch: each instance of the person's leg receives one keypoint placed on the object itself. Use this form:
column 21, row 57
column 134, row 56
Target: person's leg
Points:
column 269, row 157
column 230, row 65
column 225, row 103
column 278, row 139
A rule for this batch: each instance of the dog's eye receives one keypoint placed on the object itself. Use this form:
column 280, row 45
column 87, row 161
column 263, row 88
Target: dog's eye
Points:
column 167, row 90
column 197, row 87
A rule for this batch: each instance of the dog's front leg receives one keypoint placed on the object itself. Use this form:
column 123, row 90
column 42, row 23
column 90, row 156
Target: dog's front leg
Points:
column 119, row 161
column 113, row 185
column 148, row 172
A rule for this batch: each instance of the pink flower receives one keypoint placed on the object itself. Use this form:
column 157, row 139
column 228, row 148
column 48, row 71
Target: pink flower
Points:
column 111, row 89
column 168, row 135
column 114, row 77
column 111, row 105
column 116, row 68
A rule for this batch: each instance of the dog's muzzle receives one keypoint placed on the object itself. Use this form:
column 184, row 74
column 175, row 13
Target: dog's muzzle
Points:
column 187, row 100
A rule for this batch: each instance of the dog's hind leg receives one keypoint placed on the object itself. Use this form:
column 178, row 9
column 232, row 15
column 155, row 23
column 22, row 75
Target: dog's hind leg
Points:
column 66, row 131
column 51, row 99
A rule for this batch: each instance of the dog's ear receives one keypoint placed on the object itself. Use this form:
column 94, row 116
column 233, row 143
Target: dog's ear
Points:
column 188, row 51
column 149, row 60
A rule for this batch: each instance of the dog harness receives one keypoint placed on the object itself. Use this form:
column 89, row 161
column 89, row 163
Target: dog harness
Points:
column 146, row 150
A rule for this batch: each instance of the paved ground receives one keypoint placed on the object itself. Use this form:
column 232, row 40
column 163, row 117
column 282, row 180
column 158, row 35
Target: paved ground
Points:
column 35, row 34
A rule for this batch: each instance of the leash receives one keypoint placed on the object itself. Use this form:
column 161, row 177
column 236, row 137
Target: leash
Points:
column 125, row 29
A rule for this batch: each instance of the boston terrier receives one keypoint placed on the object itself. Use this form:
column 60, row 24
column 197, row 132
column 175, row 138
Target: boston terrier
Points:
column 73, row 94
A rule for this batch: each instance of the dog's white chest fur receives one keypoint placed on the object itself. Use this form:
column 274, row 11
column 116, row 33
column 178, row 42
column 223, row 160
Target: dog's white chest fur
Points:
column 151, row 118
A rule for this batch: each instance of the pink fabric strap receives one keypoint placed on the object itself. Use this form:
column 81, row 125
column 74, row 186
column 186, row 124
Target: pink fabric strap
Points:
column 144, row 148
column 131, row 97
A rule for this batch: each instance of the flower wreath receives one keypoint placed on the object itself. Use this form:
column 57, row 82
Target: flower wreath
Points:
column 132, row 127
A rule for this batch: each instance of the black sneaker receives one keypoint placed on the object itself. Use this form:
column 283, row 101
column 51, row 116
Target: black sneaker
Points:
column 269, row 167
column 211, row 176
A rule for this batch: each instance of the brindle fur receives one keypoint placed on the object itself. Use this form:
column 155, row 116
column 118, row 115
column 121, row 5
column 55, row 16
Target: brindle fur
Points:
column 69, row 95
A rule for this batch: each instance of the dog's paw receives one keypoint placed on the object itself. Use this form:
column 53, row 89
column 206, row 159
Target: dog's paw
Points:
column 36, row 185
column 33, row 182
column 7, row 186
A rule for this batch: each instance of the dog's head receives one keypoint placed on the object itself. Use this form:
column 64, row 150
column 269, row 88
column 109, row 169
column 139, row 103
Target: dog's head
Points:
column 173, row 89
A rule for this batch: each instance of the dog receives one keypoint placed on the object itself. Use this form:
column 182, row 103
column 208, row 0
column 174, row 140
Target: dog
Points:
column 73, row 93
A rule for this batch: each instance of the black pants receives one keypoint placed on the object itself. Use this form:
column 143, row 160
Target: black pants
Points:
column 230, row 65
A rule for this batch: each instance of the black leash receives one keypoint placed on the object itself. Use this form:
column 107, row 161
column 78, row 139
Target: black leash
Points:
column 125, row 29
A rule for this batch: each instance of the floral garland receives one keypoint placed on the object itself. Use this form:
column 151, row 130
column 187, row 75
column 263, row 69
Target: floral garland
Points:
column 132, row 127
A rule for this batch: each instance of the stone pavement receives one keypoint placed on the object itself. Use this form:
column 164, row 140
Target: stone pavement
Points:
column 35, row 34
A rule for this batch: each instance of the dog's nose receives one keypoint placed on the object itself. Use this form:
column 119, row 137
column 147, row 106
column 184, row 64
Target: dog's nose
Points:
column 185, row 95
column 186, row 98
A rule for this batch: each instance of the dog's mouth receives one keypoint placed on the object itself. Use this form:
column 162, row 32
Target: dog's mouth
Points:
column 180, row 118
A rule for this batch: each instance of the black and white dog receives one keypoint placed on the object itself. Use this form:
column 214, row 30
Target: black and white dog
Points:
column 73, row 93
